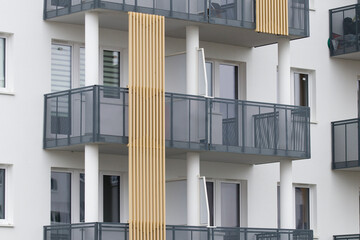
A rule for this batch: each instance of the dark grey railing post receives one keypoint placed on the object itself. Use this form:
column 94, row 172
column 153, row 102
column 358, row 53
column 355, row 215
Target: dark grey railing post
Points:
column 57, row 120
column 69, row 117
column 333, row 145
column 346, row 157
column 81, row 97
column 45, row 120
column 98, row 113
column 100, row 230
column 94, row 113
column 189, row 123
column 96, row 231
column 210, row 126
column 171, row 119
column 275, row 130
column 286, row 128
column 243, row 125
column 173, row 232
column 124, row 117
column 206, row 122
column 45, row 233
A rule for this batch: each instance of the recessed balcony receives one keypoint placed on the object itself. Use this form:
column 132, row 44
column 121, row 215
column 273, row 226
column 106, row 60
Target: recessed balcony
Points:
column 345, row 144
column 217, row 19
column 247, row 132
column 345, row 32
column 110, row 231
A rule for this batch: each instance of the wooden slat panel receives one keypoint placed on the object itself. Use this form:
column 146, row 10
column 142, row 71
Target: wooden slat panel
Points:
column 146, row 127
column 272, row 17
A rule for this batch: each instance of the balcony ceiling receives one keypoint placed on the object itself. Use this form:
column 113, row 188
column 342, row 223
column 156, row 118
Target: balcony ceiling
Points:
column 176, row 28
column 349, row 56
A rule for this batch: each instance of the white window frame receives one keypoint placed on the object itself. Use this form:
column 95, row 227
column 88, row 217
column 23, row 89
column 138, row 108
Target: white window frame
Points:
column 8, row 221
column 123, row 194
column 9, row 78
column 311, row 90
column 312, row 202
column 101, row 68
column 216, row 77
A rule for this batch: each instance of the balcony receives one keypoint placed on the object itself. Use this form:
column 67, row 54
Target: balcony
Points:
column 345, row 144
column 344, row 32
column 245, row 131
column 215, row 17
column 109, row 231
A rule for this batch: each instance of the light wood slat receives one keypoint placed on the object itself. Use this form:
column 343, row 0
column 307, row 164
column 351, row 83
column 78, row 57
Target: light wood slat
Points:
column 272, row 17
column 146, row 127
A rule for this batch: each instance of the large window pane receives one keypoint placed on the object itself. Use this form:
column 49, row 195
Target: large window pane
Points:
column 82, row 197
column 111, row 71
column 228, row 81
column 2, row 193
column 60, row 67
column 60, row 197
column 209, row 75
column 230, row 205
column 2, row 62
column 111, row 198
column 302, row 208
column 210, row 195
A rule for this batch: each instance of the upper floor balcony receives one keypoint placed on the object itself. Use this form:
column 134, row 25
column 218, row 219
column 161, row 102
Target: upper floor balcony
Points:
column 233, row 130
column 345, row 32
column 216, row 18
column 345, row 144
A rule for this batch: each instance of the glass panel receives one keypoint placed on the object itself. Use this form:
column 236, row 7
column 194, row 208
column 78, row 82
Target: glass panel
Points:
column 60, row 67
column 111, row 72
column 60, row 197
column 302, row 208
column 301, row 89
column 111, row 198
column 82, row 67
column 230, row 205
column 82, row 197
column 2, row 193
column 209, row 75
column 278, row 207
column 2, row 62
column 210, row 195
column 228, row 81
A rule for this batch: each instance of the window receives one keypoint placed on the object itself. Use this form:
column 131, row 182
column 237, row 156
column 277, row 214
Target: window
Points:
column 230, row 204
column 60, row 197
column 111, row 198
column 111, row 68
column 228, row 81
column 301, row 89
column 2, row 193
column 61, row 69
column 302, row 208
column 209, row 75
column 2, row 63
column 210, row 196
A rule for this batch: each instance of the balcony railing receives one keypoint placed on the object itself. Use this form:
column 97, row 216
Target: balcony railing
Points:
column 238, row 13
column 110, row 231
column 344, row 30
column 347, row 237
column 100, row 114
column 345, row 143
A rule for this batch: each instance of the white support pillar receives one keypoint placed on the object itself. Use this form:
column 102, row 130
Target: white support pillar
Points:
column 193, row 191
column 193, row 159
column 192, row 68
column 284, row 89
column 286, row 195
column 91, row 183
column 284, row 71
column 91, row 48
column 91, row 151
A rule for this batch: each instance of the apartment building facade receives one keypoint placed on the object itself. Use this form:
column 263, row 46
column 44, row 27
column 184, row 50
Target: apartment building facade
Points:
column 254, row 107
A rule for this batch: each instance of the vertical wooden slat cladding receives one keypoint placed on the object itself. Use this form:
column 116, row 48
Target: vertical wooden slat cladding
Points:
column 272, row 17
column 146, row 127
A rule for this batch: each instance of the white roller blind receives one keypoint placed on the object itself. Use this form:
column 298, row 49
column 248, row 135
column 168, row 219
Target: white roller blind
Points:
column 2, row 62
column 60, row 67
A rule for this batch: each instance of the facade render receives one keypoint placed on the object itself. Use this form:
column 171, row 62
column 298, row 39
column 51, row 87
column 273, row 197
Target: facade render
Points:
column 179, row 119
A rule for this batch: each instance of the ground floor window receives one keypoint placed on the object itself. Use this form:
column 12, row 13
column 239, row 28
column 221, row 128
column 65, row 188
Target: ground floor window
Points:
column 302, row 208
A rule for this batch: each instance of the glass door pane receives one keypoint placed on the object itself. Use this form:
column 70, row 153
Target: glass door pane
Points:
column 228, row 81
column 302, row 208
column 2, row 193
column 111, row 198
column 210, row 195
column 111, row 68
column 60, row 197
column 60, row 67
column 2, row 62
column 230, row 205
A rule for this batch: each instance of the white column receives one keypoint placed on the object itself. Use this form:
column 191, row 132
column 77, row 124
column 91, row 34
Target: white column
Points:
column 284, row 71
column 193, row 191
column 192, row 68
column 284, row 90
column 193, row 159
column 286, row 195
column 91, row 151
column 91, row 183
column 91, row 48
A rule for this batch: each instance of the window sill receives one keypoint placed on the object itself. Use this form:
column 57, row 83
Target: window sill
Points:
column 4, row 91
column 4, row 224
column 314, row 122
